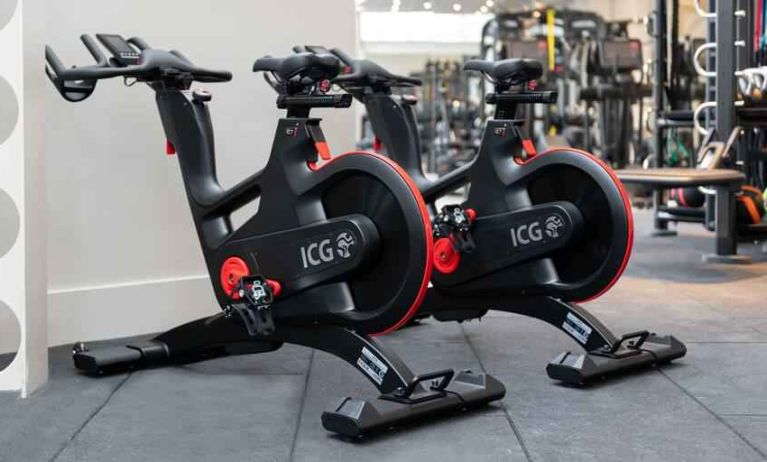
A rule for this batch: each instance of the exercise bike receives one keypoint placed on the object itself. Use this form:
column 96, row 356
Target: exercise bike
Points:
column 538, row 233
column 338, row 250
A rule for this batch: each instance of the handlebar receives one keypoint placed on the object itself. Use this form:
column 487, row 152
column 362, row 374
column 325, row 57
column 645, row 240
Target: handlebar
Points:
column 152, row 65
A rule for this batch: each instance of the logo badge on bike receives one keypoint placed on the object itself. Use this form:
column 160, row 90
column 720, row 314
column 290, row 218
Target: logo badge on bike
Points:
column 537, row 231
column 344, row 242
column 322, row 251
column 552, row 226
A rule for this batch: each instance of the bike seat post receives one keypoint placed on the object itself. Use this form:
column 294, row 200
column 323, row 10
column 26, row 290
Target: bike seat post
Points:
column 504, row 109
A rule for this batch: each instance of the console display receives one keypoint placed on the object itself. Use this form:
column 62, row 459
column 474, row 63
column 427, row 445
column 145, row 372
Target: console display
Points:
column 121, row 50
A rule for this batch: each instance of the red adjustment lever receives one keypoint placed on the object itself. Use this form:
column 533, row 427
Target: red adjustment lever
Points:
column 377, row 144
column 315, row 133
column 169, row 148
column 323, row 150
column 529, row 148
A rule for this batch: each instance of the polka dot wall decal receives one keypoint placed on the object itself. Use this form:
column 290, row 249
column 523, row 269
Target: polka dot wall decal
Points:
column 7, row 7
column 9, row 223
column 10, row 336
column 9, row 109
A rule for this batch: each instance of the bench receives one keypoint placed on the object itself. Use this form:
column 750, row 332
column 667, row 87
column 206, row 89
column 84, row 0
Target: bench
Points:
column 725, row 183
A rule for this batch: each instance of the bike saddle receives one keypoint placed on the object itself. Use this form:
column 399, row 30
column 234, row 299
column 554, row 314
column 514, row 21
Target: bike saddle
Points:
column 304, row 65
column 360, row 73
column 507, row 71
column 366, row 73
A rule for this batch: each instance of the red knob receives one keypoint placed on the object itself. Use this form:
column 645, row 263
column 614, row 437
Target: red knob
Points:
column 446, row 258
column 233, row 269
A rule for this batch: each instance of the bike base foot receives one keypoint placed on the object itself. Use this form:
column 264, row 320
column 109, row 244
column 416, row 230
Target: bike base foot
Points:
column 356, row 418
column 582, row 368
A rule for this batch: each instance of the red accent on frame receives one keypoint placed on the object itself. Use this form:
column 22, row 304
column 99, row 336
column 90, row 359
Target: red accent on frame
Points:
column 471, row 214
column 323, row 150
column 169, row 148
column 629, row 215
column 275, row 287
column 529, row 148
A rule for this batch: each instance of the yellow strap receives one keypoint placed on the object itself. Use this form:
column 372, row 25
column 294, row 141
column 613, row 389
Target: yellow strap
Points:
column 550, row 36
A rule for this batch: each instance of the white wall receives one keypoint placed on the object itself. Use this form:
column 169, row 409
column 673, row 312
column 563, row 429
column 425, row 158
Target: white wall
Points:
column 22, row 230
column 123, row 254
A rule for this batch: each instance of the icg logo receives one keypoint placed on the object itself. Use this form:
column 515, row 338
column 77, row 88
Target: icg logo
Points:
column 344, row 243
column 533, row 232
column 326, row 250
column 552, row 225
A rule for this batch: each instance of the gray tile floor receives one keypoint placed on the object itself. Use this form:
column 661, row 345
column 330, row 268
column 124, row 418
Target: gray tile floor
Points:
column 710, row 406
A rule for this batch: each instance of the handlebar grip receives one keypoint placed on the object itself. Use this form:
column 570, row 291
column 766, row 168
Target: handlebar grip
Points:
column 53, row 61
column 543, row 97
column 208, row 76
column 94, row 49
column 92, row 73
column 139, row 43
column 180, row 55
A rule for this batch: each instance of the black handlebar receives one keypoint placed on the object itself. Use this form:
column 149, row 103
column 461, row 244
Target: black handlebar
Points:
column 77, row 83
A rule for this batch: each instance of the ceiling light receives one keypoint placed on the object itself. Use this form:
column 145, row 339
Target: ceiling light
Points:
column 489, row 3
column 483, row 9
column 426, row 5
column 457, row 7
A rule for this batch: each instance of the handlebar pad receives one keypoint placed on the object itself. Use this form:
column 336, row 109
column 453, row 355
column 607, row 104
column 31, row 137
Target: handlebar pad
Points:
column 154, row 63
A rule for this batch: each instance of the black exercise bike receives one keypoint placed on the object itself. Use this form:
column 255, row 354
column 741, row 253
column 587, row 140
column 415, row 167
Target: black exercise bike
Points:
column 337, row 251
column 538, row 232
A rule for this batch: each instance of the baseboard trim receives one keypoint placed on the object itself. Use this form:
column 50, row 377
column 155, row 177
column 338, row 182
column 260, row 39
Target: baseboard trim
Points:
column 102, row 312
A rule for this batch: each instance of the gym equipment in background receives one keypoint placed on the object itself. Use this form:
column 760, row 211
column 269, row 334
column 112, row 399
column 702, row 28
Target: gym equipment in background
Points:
column 337, row 250
column 688, row 203
column 537, row 231
column 591, row 63
column 732, row 154
column 448, row 115
column 617, row 91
